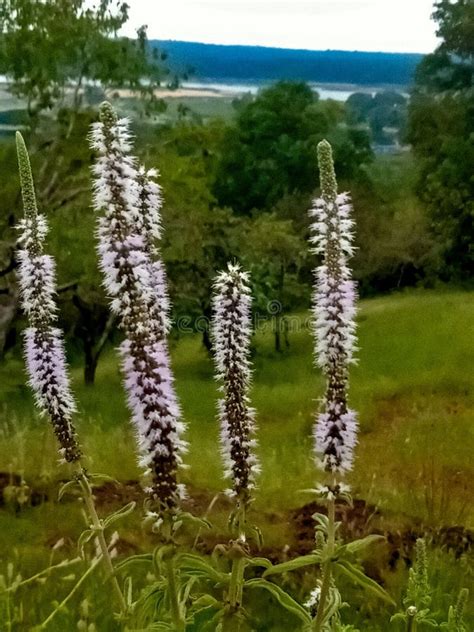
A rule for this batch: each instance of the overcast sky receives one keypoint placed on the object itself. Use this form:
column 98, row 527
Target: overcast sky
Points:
column 370, row 25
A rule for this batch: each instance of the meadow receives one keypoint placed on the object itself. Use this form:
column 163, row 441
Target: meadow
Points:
column 413, row 391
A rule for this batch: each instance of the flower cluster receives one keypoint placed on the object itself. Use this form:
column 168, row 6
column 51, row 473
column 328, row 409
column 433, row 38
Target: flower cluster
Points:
column 231, row 330
column 128, row 202
column 44, row 349
column 334, row 310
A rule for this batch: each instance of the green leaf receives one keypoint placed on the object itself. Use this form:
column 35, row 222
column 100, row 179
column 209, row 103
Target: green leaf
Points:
column 358, row 545
column 188, row 518
column 282, row 597
column 257, row 534
column 365, row 582
column 258, row 561
column 65, row 487
column 187, row 591
column 333, row 603
column 298, row 562
column 97, row 479
column 203, row 603
column 134, row 559
column 128, row 591
column 196, row 564
column 321, row 519
column 119, row 514
column 84, row 538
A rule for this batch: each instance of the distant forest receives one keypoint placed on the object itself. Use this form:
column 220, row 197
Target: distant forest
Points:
column 257, row 63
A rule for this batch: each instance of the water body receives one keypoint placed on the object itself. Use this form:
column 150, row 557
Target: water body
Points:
column 325, row 91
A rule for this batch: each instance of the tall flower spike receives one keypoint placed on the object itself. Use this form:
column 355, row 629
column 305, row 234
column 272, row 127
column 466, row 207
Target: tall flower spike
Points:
column 231, row 336
column 334, row 310
column 44, row 348
column 150, row 199
column 128, row 201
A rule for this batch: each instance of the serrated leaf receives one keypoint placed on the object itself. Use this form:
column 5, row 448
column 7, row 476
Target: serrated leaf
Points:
column 365, row 582
column 283, row 598
column 298, row 562
column 119, row 514
column 134, row 559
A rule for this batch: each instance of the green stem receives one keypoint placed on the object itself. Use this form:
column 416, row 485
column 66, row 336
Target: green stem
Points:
column 319, row 620
column 99, row 530
column 176, row 610
column 411, row 622
column 73, row 591
column 236, row 586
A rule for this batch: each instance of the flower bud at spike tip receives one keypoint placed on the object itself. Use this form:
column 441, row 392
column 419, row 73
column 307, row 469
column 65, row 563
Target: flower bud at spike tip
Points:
column 334, row 310
column 44, row 347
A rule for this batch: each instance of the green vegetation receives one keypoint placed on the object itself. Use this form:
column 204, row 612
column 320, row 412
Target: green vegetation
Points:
column 238, row 178
column 441, row 128
column 411, row 388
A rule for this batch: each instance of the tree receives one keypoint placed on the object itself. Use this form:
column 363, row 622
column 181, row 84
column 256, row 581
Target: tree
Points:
column 385, row 109
column 274, row 253
column 271, row 149
column 441, row 130
column 59, row 56
column 51, row 50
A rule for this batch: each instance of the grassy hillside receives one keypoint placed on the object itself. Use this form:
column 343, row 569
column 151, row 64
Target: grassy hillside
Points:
column 412, row 388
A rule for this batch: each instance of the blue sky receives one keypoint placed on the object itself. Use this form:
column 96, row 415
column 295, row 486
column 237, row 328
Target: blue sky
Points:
column 371, row 25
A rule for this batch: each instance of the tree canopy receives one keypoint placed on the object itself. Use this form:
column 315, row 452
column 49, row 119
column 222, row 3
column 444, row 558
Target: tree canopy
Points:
column 441, row 130
column 50, row 50
column 271, row 149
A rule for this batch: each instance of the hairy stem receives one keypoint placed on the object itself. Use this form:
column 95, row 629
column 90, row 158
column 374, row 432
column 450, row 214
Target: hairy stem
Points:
column 236, row 583
column 176, row 610
column 319, row 620
column 99, row 530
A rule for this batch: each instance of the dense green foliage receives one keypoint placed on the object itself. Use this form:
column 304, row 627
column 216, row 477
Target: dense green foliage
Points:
column 441, row 130
column 387, row 109
column 71, row 44
column 271, row 150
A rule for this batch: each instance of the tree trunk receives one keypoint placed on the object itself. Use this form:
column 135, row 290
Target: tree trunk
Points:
column 90, row 367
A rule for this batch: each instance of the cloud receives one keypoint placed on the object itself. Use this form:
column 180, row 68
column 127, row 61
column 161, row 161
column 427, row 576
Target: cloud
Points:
column 384, row 25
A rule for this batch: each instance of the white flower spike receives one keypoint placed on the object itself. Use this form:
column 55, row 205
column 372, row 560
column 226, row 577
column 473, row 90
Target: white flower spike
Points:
column 231, row 332
column 128, row 203
column 334, row 310
column 44, row 348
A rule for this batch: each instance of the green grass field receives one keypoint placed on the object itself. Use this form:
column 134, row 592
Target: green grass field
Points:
column 412, row 387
